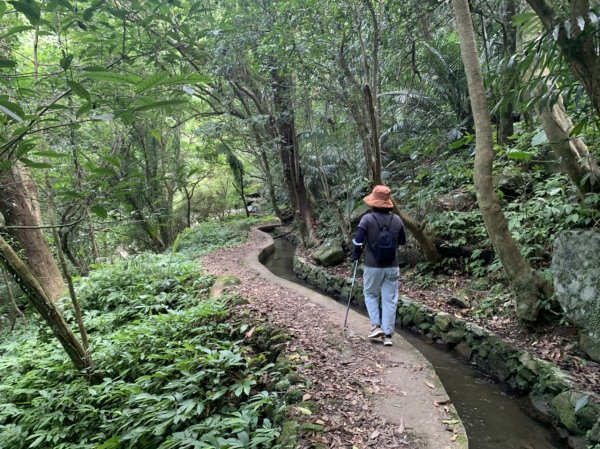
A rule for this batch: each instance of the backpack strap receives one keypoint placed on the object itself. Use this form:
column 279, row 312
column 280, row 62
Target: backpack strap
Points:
column 377, row 221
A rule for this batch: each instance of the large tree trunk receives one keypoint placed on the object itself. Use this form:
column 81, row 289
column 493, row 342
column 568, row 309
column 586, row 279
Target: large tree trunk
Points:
column 27, row 235
column 579, row 47
column 46, row 308
column 528, row 286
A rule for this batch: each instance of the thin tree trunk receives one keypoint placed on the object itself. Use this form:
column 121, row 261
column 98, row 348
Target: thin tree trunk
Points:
column 14, row 308
column 47, row 309
column 95, row 250
column 14, row 207
column 270, row 184
column 528, row 286
column 505, row 115
column 65, row 268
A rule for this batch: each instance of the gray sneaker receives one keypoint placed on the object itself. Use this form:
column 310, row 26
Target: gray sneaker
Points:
column 387, row 340
column 376, row 332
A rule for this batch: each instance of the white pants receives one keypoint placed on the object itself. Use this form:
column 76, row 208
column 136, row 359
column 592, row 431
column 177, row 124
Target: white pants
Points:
column 382, row 281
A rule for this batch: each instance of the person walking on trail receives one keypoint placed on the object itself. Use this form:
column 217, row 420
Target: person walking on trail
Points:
column 380, row 232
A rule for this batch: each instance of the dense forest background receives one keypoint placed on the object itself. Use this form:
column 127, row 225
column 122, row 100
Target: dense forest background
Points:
column 124, row 123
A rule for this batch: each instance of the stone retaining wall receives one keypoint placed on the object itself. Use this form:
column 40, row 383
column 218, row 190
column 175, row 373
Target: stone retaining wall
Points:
column 576, row 414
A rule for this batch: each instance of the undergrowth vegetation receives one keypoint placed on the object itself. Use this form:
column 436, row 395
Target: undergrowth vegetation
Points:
column 178, row 369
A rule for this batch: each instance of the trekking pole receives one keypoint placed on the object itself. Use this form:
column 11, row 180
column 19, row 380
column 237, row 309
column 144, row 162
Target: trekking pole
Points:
column 350, row 294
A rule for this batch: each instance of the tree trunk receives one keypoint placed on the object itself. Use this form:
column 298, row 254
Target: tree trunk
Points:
column 571, row 152
column 47, row 309
column 270, row 184
column 505, row 115
column 528, row 286
column 578, row 47
column 14, row 308
column 65, row 268
column 23, row 173
column 292, row 171
column 14, row 207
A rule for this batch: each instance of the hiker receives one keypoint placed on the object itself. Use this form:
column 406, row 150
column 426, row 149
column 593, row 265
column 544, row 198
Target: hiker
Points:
column 380, row 232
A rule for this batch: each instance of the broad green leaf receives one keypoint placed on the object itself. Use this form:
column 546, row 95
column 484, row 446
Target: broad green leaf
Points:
column 120, row 13
column 11, row 109
column 519, row 155
column 94, row 68
column 113, row 77
column 29, row 8
column 84, row 109
column 112, row 160
column 79, row 90
column 72, row 195
column 554, row 191
column 152, row 81
column 88, row 14
column 63, row 3
column 16, row 30
column 9, row 63
column 51, row 154
column 157, row 105
column 100, row 211
column 2, row 8
column 523, row 18
column 65, row 62
column 113, row 443
column 34, row 164
column 579, row 127
column 539, row 139
column 187, row 79
column 101, row 171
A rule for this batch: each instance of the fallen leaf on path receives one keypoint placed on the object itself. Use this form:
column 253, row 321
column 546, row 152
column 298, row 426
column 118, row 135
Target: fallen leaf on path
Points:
column 374, row 435
column 401, row 429
column 306, row 397
column 429, row 384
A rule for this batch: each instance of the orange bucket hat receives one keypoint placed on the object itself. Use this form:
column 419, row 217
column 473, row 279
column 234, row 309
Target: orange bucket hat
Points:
column 379, row 197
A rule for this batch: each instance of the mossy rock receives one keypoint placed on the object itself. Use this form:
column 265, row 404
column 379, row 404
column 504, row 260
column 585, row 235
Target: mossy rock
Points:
column 293, row 396
column 498, row 366
column 288, row 439
column 594, row 434
column 455, row 336
column 444, row 321
column 425, row 327
column 222, row 284
column 330, row 253
column 312, row 427
column 564, row 408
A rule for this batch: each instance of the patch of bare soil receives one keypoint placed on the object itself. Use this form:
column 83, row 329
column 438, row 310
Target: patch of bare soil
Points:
column 554, row 342
column 342, row 378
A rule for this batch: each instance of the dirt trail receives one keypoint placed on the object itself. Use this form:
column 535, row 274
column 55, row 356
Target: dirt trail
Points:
column 368, row 395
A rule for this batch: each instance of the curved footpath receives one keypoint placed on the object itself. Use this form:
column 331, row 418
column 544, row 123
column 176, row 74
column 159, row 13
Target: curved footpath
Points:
column 367, row 395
